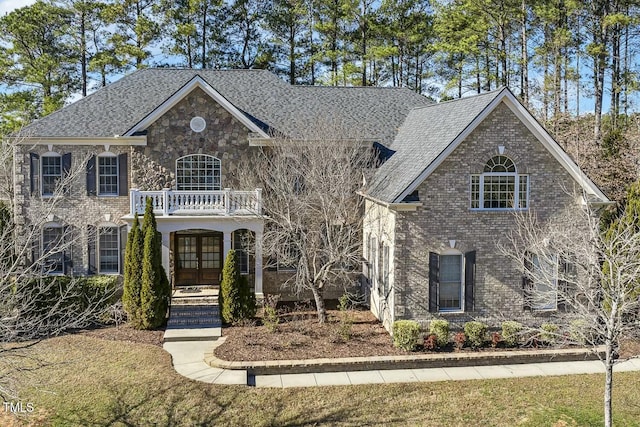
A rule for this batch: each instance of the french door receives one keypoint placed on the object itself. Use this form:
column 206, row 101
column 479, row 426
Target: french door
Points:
column 198, row 259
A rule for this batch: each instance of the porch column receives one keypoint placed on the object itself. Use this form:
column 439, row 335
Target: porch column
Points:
column 258, row 264
column 166, row 239
column 226, row 245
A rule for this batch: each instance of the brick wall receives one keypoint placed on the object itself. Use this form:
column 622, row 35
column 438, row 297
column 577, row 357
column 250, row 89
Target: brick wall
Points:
column 446, row 215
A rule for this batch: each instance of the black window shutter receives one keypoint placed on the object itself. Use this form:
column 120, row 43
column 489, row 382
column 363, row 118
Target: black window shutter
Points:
column 469, row 280
column 67, row 255
column 91, row 176
column 66, row 168
column 34, row 166
column 123, row 175
column 123, row 244
column 35, row 247
column 92, row 235
column 527, row 283
column 565, row 270
column 434, row 279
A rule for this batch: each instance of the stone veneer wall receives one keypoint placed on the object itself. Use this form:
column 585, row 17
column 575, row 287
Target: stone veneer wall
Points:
column 78, row 209
column 170, row 137
column 446, row 215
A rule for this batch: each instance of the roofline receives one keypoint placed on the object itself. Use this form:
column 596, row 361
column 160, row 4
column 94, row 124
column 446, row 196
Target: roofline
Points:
column 84, row 140
column 534, row 127
column 272, row 142
column 404, row 206
column 195, row 82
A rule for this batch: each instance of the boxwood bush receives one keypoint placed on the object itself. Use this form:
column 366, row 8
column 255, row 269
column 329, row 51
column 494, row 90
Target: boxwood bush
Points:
column 476, row 333
column 440, row 328
column 511, row 332
column 406, row 334
column 549, row 333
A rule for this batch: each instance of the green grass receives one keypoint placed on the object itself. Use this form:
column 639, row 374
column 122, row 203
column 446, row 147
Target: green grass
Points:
column 93, row 382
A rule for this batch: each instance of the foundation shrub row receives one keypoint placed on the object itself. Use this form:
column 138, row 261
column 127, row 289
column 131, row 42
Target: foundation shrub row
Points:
column 409, row 336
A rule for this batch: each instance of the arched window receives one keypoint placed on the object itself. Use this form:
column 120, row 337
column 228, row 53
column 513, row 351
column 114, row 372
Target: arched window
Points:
column 500, row 186
column 198, row 172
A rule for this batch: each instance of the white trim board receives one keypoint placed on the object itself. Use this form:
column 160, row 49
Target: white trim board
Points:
column 113, row 141
column 534, row 127
column 195, row 82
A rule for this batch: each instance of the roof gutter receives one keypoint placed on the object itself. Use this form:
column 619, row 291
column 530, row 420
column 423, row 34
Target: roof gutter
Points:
column 59, row 140
column 400, row 207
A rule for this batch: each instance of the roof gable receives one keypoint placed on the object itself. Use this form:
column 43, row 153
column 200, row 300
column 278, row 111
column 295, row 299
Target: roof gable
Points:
column 195, row 82
column 429, row 135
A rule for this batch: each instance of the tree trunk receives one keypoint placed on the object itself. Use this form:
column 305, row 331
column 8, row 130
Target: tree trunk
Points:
column 524, row 72
column 608, row 384
column 320, row 308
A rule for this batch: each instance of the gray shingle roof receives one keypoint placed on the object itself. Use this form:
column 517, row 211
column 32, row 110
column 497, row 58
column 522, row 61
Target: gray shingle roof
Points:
column 372, row 113
column 425, row 133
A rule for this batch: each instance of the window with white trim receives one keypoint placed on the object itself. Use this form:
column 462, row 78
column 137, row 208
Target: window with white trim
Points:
column 51, row 165
column 450, row 292
column 198, row 172
column 240, row 246
column 52, row 250
column 108, row 174
column 109, row 249
column 500, row 186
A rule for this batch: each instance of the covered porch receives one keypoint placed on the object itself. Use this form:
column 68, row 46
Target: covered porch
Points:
column 199, row 228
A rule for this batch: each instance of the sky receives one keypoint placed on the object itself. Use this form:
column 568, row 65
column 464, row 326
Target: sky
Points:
column 7, row 6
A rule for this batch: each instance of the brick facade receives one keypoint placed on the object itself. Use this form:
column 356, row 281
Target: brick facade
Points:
column 445, row 215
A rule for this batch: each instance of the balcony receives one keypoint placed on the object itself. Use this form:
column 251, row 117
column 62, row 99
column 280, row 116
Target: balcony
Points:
column 217, row 202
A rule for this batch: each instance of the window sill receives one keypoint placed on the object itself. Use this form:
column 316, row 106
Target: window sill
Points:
column 109, row 273
column 498, row 210
column 455, row 311
column 109, row 195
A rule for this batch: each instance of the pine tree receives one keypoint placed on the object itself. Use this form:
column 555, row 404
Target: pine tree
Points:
column 133, row 273
column 154, row 290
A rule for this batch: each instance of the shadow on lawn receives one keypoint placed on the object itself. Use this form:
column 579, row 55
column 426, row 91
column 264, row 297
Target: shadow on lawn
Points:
column 188, row 404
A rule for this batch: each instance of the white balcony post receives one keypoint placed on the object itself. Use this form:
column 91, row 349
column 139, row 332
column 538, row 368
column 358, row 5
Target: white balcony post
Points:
column 166, row 239
column 133, row 196
column 165, row 201
column 226, row 245
column 258, row 264
column 258, row 205
column 227, row 200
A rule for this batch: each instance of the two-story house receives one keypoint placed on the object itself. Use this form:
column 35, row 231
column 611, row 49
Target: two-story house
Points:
column 454, row 174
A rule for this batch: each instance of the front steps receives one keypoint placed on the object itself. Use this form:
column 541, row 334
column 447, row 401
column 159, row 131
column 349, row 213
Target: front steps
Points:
column 194, row 315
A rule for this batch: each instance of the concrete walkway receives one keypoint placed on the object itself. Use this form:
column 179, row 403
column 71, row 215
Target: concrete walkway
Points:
column 188, row 360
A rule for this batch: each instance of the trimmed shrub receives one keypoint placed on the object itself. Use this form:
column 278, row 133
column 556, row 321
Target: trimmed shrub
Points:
column 476, row 333
column 154, row 289
column 346, row 319
column 431, row 342
column 578, row 331
column 440, row 328
column 133, row 274
column 459, row 340
column 270, row 317
column 248, row 305
column 549, row 333
column 406, row 334
column 511, row 332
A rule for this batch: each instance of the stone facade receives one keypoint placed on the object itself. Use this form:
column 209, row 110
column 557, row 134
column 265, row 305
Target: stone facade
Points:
column 445, row 215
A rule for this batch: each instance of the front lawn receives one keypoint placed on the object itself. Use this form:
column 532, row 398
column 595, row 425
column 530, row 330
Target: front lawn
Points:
column 96, row 382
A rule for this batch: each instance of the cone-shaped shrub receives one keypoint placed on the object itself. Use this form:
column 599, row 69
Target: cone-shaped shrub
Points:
column 133, row 274
column 155, row 290
column 229, row 298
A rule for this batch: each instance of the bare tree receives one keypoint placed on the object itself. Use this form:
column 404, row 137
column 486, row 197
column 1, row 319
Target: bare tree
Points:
column 571, row 264
column 313, row 215
column 36, row 299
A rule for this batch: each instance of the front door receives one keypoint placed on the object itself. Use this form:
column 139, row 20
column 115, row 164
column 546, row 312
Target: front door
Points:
column 198, row 259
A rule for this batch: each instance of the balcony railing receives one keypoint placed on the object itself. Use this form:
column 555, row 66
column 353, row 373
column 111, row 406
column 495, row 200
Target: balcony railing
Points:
column 217, row 202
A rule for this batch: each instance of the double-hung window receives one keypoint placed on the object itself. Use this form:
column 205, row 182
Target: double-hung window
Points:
column 452, row 281
column 108, row 175
column 109, row 249
column 500, row 186
column 450, row 293
column 53, row 250
column 51, row 173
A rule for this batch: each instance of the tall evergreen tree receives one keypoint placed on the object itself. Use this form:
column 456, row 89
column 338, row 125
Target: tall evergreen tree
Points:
column 133, row 274
column 154, row 290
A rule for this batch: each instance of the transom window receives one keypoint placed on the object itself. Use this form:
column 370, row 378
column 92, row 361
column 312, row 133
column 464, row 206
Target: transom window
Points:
column 198, row 172
column 51, row 173
column 499, row 186
column 109, row 249
column 108, row 175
